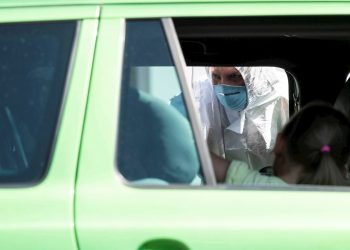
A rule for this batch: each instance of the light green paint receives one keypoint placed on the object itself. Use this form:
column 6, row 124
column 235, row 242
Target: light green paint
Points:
column 41, row 216
column 226, row 9
column 47, row 13
column 112, row 215
column 37, row 3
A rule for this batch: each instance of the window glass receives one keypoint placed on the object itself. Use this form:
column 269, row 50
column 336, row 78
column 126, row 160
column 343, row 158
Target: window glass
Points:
column 162, row 81
column 34, row 59
column 155, row 143
column 242, row 131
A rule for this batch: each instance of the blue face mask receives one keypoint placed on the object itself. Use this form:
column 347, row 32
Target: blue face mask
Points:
column 233, row 97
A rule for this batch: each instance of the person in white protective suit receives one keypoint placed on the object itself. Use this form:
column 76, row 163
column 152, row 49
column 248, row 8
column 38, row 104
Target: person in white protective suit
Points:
column 242, row 109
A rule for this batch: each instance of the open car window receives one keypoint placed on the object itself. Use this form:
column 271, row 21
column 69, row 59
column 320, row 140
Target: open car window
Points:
column 297, row 46
column 246, row 79
column 153, row 108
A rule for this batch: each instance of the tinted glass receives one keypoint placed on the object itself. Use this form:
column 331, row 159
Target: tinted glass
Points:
column 34, row 59
column 156, row 144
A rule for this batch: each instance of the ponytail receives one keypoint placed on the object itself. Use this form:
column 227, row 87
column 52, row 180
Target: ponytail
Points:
column 326, row 173
column 318, row 139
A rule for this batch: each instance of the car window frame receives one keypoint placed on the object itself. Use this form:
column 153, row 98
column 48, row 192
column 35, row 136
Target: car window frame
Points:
column 61, row 108
column 179, row 63
column 202, row 147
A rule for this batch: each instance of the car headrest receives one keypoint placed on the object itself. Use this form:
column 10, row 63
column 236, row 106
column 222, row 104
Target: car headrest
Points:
column 342, row 103
column 155, row 141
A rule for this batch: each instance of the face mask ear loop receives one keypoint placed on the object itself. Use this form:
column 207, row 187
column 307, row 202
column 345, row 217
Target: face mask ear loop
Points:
column 222, row 129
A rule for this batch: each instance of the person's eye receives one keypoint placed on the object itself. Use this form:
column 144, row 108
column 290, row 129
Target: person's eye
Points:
column 215, row 77
column 236, row 77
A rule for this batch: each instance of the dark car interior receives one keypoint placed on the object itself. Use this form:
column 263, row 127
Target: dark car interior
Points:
column 34, row 59
column 314, row 50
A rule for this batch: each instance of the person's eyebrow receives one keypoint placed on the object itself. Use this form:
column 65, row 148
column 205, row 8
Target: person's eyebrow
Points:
column 215, row 75
column 234, row 75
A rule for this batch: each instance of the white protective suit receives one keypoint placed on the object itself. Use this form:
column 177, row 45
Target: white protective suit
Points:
column 248, row 135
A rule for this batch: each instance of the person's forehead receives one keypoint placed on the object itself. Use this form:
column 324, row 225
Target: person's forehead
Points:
column 224, row 70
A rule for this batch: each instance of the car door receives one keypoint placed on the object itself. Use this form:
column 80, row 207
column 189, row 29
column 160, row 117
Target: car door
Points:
column 46, row 57
column 112, row 212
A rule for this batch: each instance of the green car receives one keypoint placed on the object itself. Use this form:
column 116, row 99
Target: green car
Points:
column 94, row 157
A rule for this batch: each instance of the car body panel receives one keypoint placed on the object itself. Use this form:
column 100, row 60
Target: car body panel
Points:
column 16, row 3
column 48, row 13
column 40, row 215
column 112, row 214
column 244, row 8
column 65, row 10
column 84, row 203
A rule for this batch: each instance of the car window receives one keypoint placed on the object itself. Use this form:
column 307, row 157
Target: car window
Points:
column 256, row 49
column 155, row 143
column 242, row 110
column 34, row 59
column 245, row 131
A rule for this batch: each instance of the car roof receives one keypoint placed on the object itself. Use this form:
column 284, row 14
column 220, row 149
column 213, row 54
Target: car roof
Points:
column 22, row 3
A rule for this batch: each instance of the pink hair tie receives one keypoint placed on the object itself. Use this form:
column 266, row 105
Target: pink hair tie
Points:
column 325, row 149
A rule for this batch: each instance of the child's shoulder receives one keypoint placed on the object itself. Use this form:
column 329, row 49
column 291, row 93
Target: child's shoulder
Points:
column 239, row 173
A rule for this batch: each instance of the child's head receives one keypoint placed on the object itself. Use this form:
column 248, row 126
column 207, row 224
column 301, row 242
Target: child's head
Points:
column 314, row 147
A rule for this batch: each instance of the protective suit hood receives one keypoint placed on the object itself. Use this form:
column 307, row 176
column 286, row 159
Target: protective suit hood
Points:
column 248, row 135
